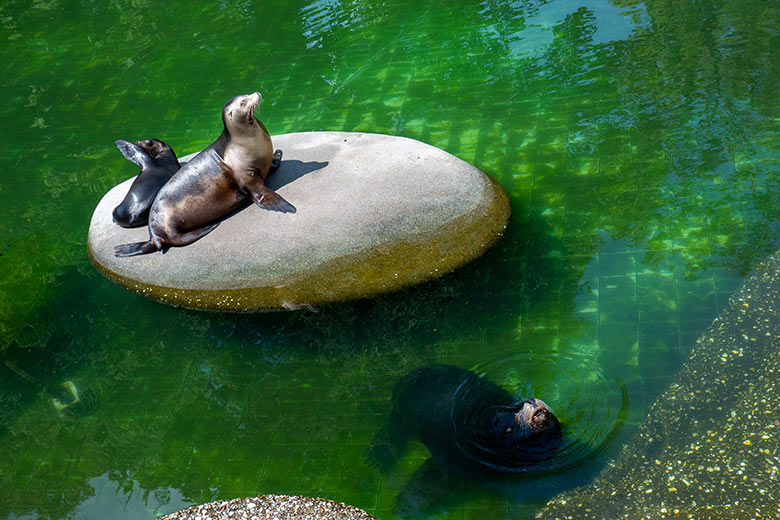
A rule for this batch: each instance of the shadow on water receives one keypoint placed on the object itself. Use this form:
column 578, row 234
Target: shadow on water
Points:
column 448, row 309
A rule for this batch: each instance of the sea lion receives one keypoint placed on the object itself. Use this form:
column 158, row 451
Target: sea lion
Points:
column 158, row 163
column 472, row 427
column 215, row 183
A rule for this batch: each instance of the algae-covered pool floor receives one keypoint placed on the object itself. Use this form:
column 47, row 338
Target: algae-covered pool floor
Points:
column 637, row 142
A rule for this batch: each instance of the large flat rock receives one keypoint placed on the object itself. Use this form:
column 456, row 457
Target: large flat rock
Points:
column 375, row 213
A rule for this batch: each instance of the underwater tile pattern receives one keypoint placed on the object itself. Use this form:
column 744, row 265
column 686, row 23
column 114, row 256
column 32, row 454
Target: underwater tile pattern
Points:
column 637, row 143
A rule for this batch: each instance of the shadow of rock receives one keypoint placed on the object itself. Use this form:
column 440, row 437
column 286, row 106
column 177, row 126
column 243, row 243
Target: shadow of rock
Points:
column 708, row 448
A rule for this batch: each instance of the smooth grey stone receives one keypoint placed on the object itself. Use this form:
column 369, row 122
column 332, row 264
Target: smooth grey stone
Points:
column 375, row 213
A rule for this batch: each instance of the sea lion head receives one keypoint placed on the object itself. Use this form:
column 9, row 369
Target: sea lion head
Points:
column 515, row 438
column 154, row 147
column 238, row 114
column 535, row 417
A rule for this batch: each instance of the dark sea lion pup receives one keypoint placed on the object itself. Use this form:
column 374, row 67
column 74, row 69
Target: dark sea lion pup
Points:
column 158, row 163
column 472, row 427
column 217, row 182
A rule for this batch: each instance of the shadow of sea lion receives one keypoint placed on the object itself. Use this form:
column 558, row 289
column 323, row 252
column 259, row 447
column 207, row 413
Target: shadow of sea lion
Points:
column 288, row 172
column 473, row 428
column 292, row 170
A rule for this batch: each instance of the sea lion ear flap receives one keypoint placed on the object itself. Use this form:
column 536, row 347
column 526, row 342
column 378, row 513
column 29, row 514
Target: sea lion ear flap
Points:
column 518, row 407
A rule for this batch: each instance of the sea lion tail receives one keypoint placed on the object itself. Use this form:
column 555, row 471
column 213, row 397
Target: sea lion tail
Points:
column 136, row 248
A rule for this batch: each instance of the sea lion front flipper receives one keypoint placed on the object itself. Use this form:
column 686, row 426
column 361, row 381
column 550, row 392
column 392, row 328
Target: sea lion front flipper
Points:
column 277, row 160
column 386, row 446
column 427, row 488
column 134, row 153
column 273, row 201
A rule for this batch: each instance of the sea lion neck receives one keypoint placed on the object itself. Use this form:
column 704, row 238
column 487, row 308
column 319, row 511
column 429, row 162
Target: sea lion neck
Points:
column 222, row 141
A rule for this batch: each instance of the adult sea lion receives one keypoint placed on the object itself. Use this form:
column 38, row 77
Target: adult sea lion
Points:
column 158, row 163
column 215, row 183
column 472, row 427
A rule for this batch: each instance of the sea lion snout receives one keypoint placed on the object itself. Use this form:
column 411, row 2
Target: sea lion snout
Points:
column 534, row 414
column 254, row 101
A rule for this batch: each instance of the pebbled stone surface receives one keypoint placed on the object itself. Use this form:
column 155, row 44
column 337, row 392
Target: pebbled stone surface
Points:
column 375, row 213
column 710, row 446
column 271, row 507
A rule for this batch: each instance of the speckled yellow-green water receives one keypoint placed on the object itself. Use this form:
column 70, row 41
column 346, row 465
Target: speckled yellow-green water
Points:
column 639, row 142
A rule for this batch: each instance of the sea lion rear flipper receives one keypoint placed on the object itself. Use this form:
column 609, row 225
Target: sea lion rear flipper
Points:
column 184, row 239
column 134, row 153
column 136, row 248
column 428, row 487
column 273, row 201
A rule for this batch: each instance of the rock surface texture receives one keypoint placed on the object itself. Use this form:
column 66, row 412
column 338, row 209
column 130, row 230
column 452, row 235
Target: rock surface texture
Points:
column 375, row 213
column 710, row 447
column 271, row 507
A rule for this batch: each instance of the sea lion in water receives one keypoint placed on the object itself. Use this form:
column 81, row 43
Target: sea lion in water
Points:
column 158, row 163
column 472, row 427
column 215, row 183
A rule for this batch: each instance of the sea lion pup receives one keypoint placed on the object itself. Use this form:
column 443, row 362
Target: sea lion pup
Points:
column 158, row 163
column 215, row 183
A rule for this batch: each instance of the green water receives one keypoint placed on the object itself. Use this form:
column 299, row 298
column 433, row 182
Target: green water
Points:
column 639, row 145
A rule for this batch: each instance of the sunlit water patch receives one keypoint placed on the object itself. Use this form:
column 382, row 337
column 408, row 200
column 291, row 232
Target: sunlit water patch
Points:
column 537, row 23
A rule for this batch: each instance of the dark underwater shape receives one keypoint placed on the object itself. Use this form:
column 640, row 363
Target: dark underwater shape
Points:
column 69, row 403
column 472, row 427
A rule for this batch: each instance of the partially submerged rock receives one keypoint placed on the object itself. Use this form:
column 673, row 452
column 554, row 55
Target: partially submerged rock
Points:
column 271, row 507
column 375, row 213
column 709, row 447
